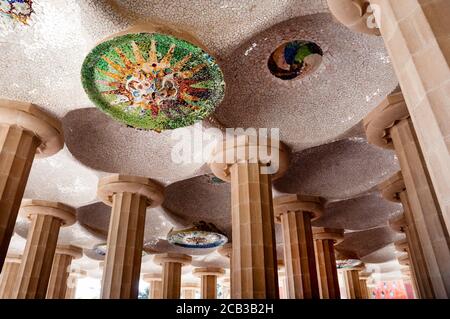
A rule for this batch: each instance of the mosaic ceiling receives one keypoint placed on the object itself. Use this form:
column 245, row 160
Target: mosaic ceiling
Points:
column 286, row 64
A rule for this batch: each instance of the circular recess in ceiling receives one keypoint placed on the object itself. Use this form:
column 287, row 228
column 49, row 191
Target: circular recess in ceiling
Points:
column 295, row 59
column 15, row 12
column 152, row 81
column 201, row 235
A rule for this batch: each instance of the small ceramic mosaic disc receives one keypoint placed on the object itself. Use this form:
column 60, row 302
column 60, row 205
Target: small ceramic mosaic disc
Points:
column 202, row 235
column 347, row 263
column 153, row 81
column 15, row 12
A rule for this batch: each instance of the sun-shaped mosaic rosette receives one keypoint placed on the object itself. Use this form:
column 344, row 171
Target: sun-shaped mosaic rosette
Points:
column 153, row 81
column 347, row 263
column 202, row 235
column 14, row 12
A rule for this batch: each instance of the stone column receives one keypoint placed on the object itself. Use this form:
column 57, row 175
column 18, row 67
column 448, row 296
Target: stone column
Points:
column 59, row 276
column 363, row 278
column 352, row 284
column 208, row 278
column 394, row 190
column 46, row 220
column 402, row 246
column 25, row 130
column 249, row 164
column 155, row 285
column 9, row 276
column 295, row 214
column 72, row 282
column 171, row 278
column 390, row 126
column 416, row 36
column 129, row 197
column 324, row 240
column 188, row 290
column 282, row 281
column 227, row 251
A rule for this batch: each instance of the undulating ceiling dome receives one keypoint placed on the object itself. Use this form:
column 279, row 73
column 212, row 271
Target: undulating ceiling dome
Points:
column 338, row 170
column 286, row 63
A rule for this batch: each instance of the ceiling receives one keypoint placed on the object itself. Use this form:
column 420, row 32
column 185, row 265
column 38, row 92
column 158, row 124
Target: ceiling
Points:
column 319, row 116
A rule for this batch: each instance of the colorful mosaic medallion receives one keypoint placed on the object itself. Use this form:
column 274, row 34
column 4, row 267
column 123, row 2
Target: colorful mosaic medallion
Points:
column 202, row 235
column 153, row 81
column 294, row 59
column 347, row 263
column 14, row 12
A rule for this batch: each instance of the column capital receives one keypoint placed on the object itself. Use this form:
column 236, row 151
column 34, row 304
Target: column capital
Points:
column 150, row 277
column 364, row 275
column 226, row 250
column 208, row 271
column 173, row 258
column 323, row 233
column 403, row 259
column 392, row 188
column 117, row 183
column 355, row 15
column 252, row 149
column 65, row 213
column 377, row 124
column 70, row 250
column 401, row 245
column 31, row 118
column 298, row 203
column 398, row 223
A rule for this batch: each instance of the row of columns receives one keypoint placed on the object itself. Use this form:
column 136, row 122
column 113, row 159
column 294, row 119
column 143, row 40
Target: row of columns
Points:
column 423, row 223
column 415, row 122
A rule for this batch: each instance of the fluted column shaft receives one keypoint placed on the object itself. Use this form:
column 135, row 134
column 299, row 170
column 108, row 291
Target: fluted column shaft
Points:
column 25, row 130
column 327, row 270
column 208, row 277
column 420, row 271
column 129, row 197
column 254, row 262
column 34, row 273
column 209, row 287
column 171, row 274
column 416, row 36
column 364, row 290
column 155, row 290
column 425, row 210
column 171, row 280
column 59, row 276
column 249, row 163
column 9, row 277
column 17, row 149
column 125, row 243
column 300, row 263
column 352, row 284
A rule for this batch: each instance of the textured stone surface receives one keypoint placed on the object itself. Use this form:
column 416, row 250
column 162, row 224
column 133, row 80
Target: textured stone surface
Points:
column 338, row 170
column 359, row 213
column 365, row 242
column 305, row 115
